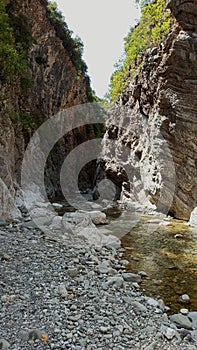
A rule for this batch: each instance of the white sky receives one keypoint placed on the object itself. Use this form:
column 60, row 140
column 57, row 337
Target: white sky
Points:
column 102, row 25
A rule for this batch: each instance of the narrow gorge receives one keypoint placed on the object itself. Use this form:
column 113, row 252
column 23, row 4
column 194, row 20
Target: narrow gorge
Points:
column 98, row 212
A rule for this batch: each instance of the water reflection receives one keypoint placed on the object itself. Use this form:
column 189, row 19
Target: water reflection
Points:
column 167, row 252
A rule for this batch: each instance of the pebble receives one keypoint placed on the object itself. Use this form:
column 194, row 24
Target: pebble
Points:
column 63, row 291
column 72, row 272
column 185, row 299
column 49, row 285
column 184, row 311
column 5, row 256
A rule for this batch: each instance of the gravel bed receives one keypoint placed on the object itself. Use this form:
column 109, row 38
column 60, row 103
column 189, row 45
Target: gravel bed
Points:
column 68, row 295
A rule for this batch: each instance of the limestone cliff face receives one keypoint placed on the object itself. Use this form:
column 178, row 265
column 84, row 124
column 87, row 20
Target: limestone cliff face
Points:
column 154, row 124
column 56, row 85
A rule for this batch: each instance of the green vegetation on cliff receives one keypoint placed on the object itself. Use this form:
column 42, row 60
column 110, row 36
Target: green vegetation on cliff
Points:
column 13, row 45
column 74, row 46
column 151, row 30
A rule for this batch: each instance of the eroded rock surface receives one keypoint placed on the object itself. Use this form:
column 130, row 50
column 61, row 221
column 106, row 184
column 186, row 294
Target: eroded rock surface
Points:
column 150, row 145
column 55, row 85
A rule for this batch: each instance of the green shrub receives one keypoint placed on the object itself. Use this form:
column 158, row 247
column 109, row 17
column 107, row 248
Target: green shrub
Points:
column 74, row 46
column 151, row 30
column 11, row 56
column 26, row 119
column 15, row 41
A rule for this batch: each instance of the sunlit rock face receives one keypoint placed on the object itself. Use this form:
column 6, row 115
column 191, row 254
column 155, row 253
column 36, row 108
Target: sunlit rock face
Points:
column 152, row 129
column 56, row 85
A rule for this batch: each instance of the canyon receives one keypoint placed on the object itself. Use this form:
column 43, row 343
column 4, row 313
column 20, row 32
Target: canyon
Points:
column 149, row 147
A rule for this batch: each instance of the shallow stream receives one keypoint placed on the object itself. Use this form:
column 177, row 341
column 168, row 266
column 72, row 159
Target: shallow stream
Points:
column 166, row 250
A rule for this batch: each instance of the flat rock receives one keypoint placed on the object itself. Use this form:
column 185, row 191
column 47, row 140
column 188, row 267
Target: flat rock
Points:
column 193, row 317
column 97, row 217
column 131, row 277
column 116, row 281
column 4, row 345
column 181, row 321
column 138, row 306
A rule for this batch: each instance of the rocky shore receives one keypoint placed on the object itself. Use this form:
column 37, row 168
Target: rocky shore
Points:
column 70, row 294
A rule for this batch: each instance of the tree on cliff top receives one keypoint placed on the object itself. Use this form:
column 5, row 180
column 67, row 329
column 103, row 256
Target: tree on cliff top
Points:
column 151, row 30
column 73, row 45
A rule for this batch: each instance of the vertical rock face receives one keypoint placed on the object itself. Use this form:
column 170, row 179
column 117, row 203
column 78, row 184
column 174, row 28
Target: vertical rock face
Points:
column 56, row 85
column 150, row 147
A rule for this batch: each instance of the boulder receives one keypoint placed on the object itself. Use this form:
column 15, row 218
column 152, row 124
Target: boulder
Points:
column 193, row 218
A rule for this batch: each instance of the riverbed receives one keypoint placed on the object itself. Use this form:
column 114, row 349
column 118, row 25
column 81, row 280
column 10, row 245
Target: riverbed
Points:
column 166, row 250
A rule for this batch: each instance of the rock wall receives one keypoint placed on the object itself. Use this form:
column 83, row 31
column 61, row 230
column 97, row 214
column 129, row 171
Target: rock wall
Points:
column 56, row 85
column 150, row 147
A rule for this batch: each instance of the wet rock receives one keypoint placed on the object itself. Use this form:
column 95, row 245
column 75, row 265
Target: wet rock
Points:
column 142, row 273
column 185, row 299
column 124, row 262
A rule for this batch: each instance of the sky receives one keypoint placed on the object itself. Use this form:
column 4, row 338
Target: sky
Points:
column 102, row 25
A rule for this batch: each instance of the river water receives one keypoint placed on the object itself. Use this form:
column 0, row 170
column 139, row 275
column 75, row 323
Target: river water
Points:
column 164, row 248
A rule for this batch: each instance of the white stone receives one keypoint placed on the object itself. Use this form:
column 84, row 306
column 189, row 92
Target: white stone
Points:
column 57, row 205
column 184, row 311
column 152, row 302
column 193, row 218
column 57, row 223
column 169, row 333
column 98, row 218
